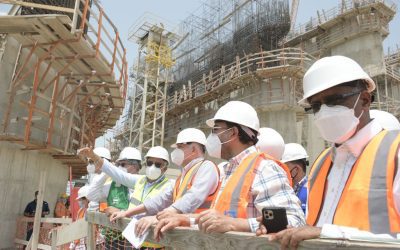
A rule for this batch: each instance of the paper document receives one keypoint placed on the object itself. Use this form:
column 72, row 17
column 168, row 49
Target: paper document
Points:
column 129, row 234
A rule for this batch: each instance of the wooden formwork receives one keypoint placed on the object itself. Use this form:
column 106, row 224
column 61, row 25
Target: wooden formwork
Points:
column 67, row 87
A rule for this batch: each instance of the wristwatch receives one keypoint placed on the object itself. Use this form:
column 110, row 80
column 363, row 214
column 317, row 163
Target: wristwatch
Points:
column 192, row 221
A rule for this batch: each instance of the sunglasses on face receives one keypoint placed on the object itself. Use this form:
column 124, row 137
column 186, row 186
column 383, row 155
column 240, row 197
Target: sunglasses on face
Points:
column 330, row 101
column 157, row 164
column 123, row 164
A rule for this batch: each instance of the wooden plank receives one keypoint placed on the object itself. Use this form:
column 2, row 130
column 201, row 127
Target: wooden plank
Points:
column 24, row 242
column 71, row 232
column 39, row 207
column 190, row 238
column 39, row 6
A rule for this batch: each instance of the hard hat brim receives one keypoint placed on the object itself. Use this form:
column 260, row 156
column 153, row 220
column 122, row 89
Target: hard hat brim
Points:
column 304, row 102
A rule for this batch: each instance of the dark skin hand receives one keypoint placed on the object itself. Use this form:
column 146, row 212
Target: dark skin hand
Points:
column 290, row 238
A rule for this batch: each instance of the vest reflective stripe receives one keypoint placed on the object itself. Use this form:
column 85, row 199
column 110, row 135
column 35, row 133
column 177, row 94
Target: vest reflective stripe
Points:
column 234, row 199
column 368, row 191
column 317, row 167
column 180, row 189
column 137, row 196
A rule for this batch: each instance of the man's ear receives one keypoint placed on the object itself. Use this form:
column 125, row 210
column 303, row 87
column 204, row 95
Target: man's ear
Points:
column 235, row 131
column 365, row 99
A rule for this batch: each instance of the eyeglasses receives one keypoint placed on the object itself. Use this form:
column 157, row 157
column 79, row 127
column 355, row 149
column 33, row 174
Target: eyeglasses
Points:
column 215, row 129
column 330, row 101
column 157, row 164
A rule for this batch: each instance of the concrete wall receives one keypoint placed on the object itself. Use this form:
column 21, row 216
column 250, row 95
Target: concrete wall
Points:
column 19, row 179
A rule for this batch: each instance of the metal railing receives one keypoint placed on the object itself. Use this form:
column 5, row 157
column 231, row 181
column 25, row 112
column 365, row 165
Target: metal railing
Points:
column 330, row 14
column 224, row 78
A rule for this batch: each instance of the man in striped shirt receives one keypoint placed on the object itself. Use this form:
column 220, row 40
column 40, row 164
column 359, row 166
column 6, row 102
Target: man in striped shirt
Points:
column 252, row 180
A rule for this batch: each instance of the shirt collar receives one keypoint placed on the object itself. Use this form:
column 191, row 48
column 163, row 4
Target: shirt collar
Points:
column 357, row 143
column 192, row 163
column 236, row 160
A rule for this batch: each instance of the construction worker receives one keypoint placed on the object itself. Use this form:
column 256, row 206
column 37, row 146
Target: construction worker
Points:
column 270, row 142
column 150, row 185
column 83, row 206
column 354, row 184
column 30, row 211
column 111, row 194
column 253, row 179
column 295, row 157
column 386, row 119
column 194, row 189
column 60, row 210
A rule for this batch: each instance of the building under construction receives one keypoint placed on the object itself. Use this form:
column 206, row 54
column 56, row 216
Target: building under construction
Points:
column 63, row 78
column 64, row 82
column 251, row 51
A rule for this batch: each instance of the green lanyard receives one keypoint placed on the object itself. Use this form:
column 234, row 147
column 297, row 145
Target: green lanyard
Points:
column 151, row 189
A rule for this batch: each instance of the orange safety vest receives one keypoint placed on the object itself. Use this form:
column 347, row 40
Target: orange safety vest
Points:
column 367, row 199
column 180, row 189
column 235, row 196
column 103, row 206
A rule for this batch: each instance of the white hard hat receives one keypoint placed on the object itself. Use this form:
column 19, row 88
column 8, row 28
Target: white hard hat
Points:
column 385, row 119
column 190, row 135
column 331, row 71
column 294, row 151
column 271, row 142
column 83, row 192
column 237, row 112
column 158, row 152
column 130, row 153
column 102, row 152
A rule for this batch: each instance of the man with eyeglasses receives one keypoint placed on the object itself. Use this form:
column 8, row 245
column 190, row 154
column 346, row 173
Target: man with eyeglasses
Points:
column 144, row 187
column 194, row 189
column 354, row 186
column 253, row 180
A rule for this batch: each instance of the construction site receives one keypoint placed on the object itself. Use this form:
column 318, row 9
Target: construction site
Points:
column 65, row 81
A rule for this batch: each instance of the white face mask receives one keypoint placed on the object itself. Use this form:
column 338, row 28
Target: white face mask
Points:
column 153, row 172
column 214, row 144
column 177, row 156
column 91, row 168
column 338, row 123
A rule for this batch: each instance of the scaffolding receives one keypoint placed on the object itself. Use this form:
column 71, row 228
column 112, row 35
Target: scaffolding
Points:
column 69, row 78
column 145, row 120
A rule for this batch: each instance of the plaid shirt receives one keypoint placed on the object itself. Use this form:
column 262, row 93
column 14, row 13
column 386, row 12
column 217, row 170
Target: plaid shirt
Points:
column 270, row 188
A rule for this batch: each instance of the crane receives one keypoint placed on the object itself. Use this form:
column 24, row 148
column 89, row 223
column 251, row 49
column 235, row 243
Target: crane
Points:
column 293, row 13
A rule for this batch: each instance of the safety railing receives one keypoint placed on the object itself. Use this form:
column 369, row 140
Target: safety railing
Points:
column 224, row 78
column 325, row 16
column 190, row 238
column 24, row 228
column 96, row 27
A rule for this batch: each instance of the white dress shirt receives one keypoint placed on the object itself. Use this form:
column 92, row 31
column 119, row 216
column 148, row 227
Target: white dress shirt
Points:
column 204, row 184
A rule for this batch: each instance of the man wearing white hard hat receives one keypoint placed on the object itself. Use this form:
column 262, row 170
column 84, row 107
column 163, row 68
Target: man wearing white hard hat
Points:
column 83, row 207
column 144, row 187
column 112, row 194
column 295, row 157
column 270, row 142
column 194, row 189
column 356, row 182
column 253, row 179
column 387, row 120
